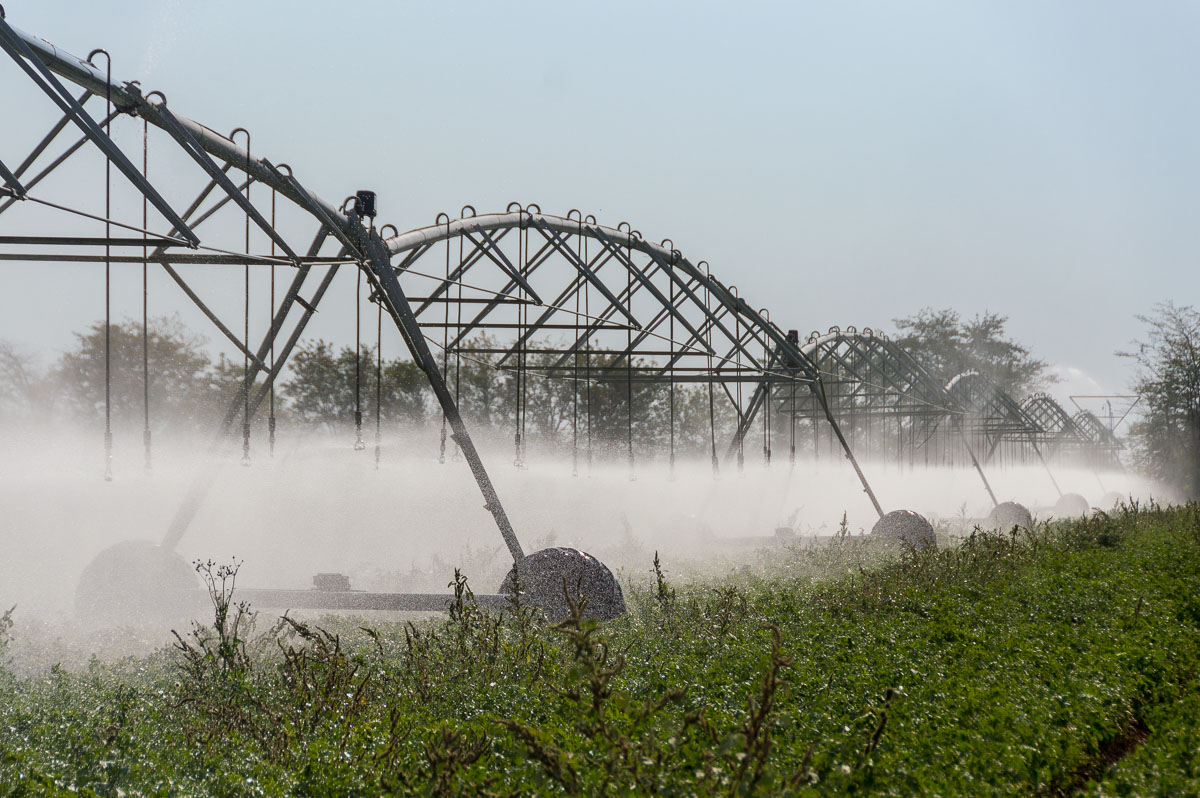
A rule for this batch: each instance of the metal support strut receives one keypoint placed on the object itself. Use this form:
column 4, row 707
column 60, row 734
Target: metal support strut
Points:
column 381, row 272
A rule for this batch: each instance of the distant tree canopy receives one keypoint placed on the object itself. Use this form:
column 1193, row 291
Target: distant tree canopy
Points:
column 578, row 406
column 947, row 345
column 24, row 390
column 323, row 383
column 318, row 388
column 1167, row 436
column 183, row 390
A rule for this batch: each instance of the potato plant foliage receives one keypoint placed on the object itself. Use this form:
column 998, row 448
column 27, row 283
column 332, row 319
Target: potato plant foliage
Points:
column 1055, row 662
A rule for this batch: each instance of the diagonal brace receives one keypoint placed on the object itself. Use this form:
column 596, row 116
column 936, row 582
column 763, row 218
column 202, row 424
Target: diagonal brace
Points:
column 193, row 148
column 12, row 44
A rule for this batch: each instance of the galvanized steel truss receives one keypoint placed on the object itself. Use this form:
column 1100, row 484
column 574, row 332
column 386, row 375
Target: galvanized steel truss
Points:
column 568, row 277
column 545, row 296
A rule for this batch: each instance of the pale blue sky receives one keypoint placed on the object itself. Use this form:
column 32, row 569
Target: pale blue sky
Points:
column 842, row 163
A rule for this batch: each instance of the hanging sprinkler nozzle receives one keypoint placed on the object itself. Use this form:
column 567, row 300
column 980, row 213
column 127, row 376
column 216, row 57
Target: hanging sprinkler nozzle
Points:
column 359, row 444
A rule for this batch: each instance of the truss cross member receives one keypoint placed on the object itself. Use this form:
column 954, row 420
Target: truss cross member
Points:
column 819, row 389
column 19, row 51
column 1046, row 465
column 974, row 460
column 12, row 182
column 49, row 137
column 382, row 273
column 204, row 480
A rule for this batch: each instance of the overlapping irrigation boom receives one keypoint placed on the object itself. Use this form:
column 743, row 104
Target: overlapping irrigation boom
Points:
column 534, row 294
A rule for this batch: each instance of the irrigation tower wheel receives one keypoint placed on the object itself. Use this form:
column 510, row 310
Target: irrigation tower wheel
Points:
column 1071, row 505
column 907, row 527
column 541, row 575
column 137, row 582
column 1006, row 515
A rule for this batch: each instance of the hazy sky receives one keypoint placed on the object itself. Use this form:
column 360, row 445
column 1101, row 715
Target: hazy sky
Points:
column 842, row 163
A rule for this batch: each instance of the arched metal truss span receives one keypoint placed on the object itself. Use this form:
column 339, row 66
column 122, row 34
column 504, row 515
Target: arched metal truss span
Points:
column 873, row 374
column 577, row 300
column 1049, row 415
column 990, row 415
column 883, row 397
column 566, row 293
column 1080, row 436
column 538, row 295
column 581, row 301
column 1103, row 444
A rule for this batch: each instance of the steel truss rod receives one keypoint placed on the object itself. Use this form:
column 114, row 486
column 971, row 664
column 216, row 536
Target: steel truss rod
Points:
column 19, row 50
column 88, row 241
column 198, row 302
column 197, row 139
column 310, row 307
column 503, row 296
column 539, row 259
column 204, row 480
column 193, row 148
column 10, row 180
column 497, row 256
column 596, row 320
column 96, row 217
column 54, row 165
column 181, row 259
column 465, row 263
column 384, row 277
column 51, row 135
column 221, row 203
column 589, row 275
column 541, row 323
column 645, row 279
column 57, row 162
column 600, row 321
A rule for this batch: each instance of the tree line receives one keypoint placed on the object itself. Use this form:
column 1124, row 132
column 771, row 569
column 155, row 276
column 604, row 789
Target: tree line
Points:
column 324, row 385
column 189, row 389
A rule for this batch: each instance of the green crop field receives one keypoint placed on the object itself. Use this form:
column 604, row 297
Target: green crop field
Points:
column 1060, row 661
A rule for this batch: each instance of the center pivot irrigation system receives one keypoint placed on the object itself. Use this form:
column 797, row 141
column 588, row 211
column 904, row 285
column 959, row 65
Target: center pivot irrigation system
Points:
column 601, row 310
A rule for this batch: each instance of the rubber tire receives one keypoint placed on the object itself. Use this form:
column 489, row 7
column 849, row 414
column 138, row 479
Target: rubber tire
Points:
column 1006, row 515
column 1071, row 505
column 907, row 527
column 137, row 582
column 541, row 577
